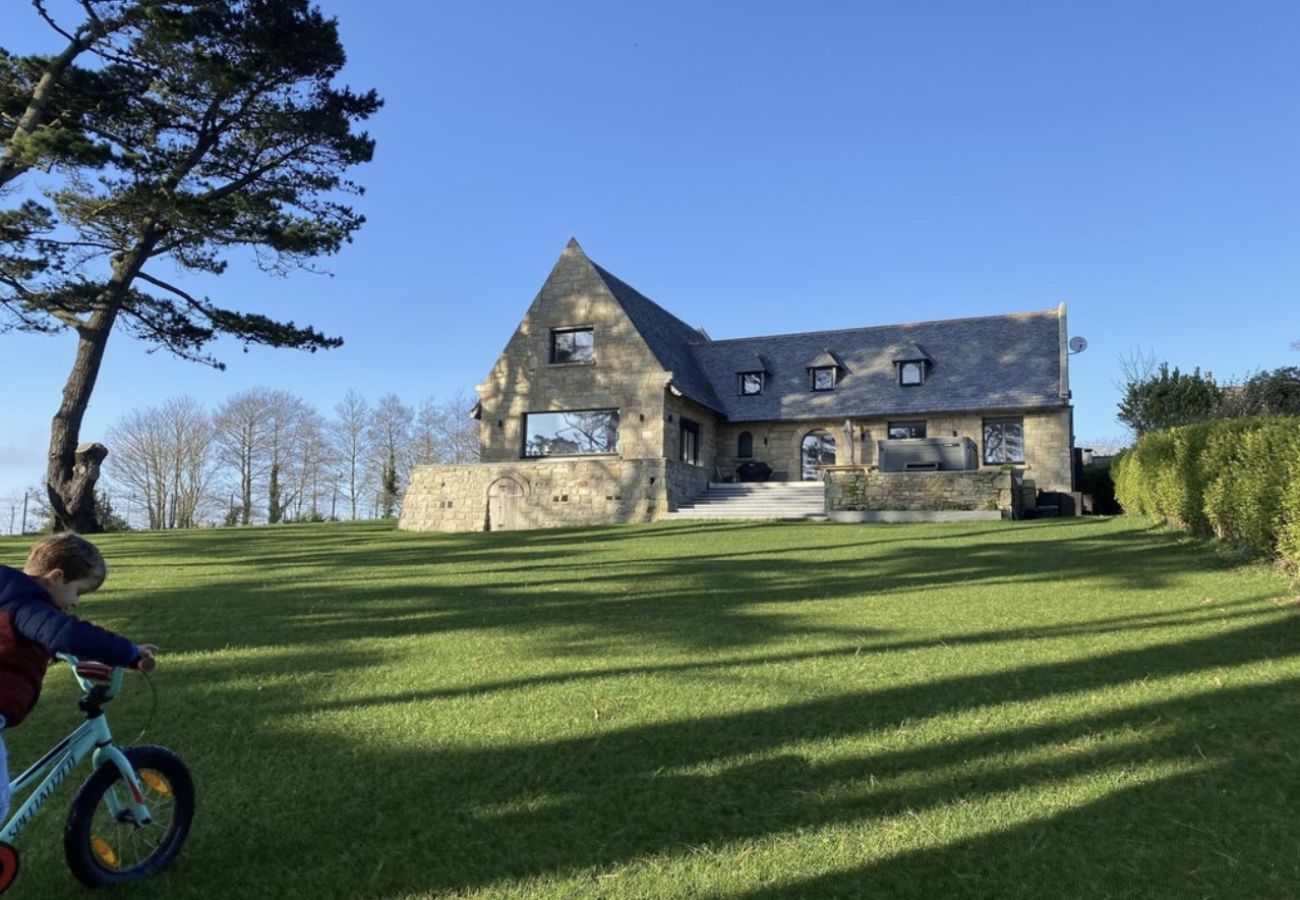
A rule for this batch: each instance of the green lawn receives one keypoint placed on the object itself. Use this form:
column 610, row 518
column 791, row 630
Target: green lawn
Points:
column 1082, row 708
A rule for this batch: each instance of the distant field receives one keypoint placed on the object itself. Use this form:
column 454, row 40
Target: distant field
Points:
column 1059, row 709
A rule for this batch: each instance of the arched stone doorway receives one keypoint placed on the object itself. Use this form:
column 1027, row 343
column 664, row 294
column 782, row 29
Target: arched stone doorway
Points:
column 505, row 502
column 817, row 449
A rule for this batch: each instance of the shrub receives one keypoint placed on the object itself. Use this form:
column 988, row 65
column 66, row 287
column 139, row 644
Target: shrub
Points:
column 1238, row 479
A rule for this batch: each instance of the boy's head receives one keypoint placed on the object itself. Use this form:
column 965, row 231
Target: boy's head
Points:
column 68, row 566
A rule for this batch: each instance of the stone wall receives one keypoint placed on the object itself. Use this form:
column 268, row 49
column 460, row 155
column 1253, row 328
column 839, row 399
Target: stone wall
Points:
column 1047, row 443
column 551, row 493
column 623, row 374
column 856, row 490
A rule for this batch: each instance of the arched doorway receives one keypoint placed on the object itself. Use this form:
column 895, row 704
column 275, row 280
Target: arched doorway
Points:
column 817, row 449
column 505, row 502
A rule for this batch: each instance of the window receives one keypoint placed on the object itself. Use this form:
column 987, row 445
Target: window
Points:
column 1004, row 441
column 745, row 445
column 823, row 378
column 690, row 442
column 571, row 345
column 906, row 430
column 817, row 449
column 911, row 374
column 571, row 433
column 751, row 383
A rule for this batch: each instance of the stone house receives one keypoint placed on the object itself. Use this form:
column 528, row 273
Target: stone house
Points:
column 604, row 407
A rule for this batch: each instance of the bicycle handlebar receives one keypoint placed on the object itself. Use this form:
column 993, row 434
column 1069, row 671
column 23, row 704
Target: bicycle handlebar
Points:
column 95, row 676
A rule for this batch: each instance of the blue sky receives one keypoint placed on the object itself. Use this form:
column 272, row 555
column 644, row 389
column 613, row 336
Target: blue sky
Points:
column 767, row 167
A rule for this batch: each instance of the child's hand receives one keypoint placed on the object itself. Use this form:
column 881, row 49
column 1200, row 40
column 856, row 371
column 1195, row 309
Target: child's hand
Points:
column 146, row 662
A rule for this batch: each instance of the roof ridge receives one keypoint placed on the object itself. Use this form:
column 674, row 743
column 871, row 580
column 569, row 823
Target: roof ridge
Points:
column 790, row 334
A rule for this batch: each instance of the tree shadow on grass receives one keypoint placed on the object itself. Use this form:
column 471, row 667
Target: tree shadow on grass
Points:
column 700, row 598
column 1214, row 764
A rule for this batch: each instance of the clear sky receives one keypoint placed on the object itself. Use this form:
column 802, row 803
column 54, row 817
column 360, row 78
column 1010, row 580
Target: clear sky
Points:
column 763, row 168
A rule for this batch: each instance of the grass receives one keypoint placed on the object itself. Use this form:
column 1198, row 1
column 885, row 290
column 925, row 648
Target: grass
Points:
column 1072, row 709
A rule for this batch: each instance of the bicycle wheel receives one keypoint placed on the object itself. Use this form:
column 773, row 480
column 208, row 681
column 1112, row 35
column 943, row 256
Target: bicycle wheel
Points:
column 103, row 842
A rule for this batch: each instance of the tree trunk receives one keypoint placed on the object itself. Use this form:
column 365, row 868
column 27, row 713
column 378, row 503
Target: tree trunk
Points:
column 72, row 473
column 70, row 478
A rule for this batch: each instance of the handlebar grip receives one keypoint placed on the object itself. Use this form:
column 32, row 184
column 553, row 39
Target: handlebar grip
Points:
column 93, row 671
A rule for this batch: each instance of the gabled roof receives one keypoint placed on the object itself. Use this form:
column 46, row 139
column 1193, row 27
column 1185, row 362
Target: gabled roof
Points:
column 668, row 337
column 989, row 363
column 825, row 360
column 911, row 352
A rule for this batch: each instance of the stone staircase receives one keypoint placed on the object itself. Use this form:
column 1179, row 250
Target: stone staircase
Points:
column 786, row 500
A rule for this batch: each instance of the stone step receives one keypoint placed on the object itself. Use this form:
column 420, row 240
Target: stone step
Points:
column 780, row 500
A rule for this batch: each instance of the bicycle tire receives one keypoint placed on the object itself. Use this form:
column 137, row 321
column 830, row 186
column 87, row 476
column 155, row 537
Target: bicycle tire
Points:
column 102, row 850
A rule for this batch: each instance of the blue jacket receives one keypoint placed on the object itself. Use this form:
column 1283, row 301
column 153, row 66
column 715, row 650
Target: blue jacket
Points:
column 32, row 630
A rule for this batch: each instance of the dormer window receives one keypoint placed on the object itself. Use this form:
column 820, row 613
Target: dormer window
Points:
column 825, row 371
column 823, row 378
column 572, row 345
column 751, row 383
column 913, row 364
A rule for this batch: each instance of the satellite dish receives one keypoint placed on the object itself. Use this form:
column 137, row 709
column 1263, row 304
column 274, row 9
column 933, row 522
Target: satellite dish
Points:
column 1078, row 344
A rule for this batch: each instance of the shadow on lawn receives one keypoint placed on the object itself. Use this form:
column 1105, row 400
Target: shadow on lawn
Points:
column 1213, row 821
column 697, row 595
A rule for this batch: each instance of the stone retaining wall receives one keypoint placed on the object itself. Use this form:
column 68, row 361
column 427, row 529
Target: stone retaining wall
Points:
column 866, row 490
column 546, row 494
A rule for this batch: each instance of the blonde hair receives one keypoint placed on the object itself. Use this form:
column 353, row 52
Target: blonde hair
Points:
column 70, row 553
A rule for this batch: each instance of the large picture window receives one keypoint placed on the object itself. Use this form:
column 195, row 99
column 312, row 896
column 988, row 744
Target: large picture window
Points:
column 570, row 345
column 571, row 433
column 1004, row 441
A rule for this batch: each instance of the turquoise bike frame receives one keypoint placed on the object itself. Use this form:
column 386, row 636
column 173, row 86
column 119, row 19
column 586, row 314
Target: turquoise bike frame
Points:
column 92, row 738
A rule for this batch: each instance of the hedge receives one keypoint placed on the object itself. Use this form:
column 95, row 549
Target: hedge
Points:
column 1235, row 479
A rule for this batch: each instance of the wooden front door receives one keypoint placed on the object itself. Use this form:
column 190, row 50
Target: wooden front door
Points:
column 505, row 499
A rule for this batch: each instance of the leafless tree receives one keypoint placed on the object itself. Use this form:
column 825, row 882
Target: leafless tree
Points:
column 390, row 440
column 243, row 434
column 286, row 421
column 446, row 433
column 164, row 457
column 349, row 439
column 310, row 471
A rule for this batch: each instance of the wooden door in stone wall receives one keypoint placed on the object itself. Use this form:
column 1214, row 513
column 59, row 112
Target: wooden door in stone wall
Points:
column 505, row 505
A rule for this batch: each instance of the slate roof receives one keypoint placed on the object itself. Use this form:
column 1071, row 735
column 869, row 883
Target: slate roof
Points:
column 991, row 363
column 669, row 339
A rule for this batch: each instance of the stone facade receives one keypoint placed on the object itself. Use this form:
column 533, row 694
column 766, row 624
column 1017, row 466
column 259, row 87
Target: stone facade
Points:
column 549, row 494
column 623, row 375
column 636, row 346
column 850, row 490
column 1047, row 443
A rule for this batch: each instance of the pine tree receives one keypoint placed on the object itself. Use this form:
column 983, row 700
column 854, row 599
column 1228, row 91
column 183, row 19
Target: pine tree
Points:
column 213, row 124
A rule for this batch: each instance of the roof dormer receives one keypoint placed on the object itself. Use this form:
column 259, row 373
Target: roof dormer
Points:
column 751, row 378
column 913, row 365
column 825, row 371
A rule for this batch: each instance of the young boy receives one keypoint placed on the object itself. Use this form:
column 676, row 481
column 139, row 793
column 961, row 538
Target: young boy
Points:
column 35, row 623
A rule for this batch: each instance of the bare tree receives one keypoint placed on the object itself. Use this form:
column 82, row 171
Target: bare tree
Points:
column 242, row 426
column 163, row 456
column 390, row 446
column 446, row 433
column 349, row 438
column 286, row 418
column 310, row 470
